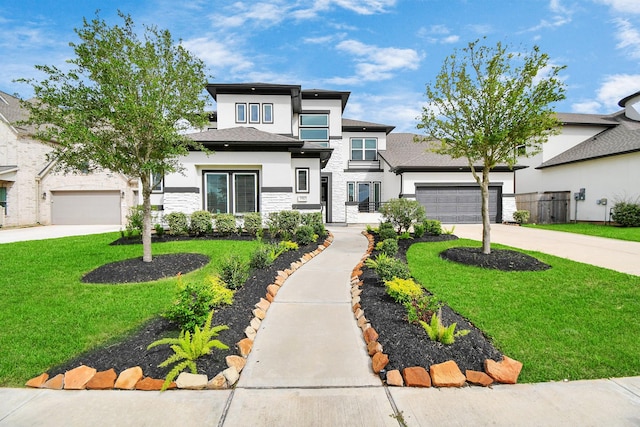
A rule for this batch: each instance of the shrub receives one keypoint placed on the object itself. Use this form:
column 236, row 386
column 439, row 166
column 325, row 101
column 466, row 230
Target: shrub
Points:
column 221, row 294
column 388, row 268
column 433, row 226
column 193, row 301
column 314, row 219
column 262, row 257
column 134, row 221
column 418, row 230
column 253, row 223
column 388, row 247
column 422, row 308
column 438, row 332
column 234, row 272
column 521, row 217
column 187, row 348
column 626, row 214
column 159, row 230
column 386, row 231
column 403, row 290
column 403, row 213
column 201, row 223
column 288, row 222
column 273, row 223
column 225, row 224
column 178, row 223
column 405, row 235
column 305, row 235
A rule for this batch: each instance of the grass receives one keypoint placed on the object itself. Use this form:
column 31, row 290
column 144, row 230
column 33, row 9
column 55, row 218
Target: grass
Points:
column 49, row 315
column 573, row 321
column 599, row 230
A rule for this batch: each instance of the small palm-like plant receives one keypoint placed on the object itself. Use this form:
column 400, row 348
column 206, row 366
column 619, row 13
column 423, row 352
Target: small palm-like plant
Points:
column 188, row 347
column 438, row 332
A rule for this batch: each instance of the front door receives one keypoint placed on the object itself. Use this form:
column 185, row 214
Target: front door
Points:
column 325, row 196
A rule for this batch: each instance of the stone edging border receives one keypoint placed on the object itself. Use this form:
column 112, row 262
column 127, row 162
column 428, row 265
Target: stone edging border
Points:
column 445, row 374
column 87, row 378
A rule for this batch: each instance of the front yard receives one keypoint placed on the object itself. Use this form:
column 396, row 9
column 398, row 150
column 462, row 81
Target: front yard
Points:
column 599, row 230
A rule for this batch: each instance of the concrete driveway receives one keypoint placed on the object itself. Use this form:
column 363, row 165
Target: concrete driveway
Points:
column 9, row 235
column 613, row 254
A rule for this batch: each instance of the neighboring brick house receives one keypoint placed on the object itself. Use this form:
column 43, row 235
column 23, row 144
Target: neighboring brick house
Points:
column 32, row 192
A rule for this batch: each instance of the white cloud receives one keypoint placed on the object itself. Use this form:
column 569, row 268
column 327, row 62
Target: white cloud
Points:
column 366, row 7
column 613, row 89
column 217, row 55
column 587, row 107
column 628, row 36
column 438, row 34
column 623, row 6
column 560, row 16
column 375, row 63
column 399, row 109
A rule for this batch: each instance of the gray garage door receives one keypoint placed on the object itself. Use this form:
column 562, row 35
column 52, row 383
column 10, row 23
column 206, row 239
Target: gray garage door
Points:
column 85, row 207
column 459, row 204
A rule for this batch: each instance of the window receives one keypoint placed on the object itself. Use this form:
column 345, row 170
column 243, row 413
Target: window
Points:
column 254, row 113
column 157, row 182
column 367, row 193
column 242, row 197
column 364, row 149
column 302, row 180
column 241, row 113
column 3, row 198
column 267, row 113
column 315, row 127
column 521, row 150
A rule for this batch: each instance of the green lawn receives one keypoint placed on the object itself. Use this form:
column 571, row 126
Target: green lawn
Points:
column 599, row 230
column 49, row 315
column 572, row 321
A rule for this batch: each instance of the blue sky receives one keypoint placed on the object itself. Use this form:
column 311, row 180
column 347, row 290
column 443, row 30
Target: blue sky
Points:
column 382, row 51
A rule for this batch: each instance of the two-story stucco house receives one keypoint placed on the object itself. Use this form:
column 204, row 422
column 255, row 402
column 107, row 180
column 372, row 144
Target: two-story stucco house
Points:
column 593, row 163
column 279, row 147
column 32, row 192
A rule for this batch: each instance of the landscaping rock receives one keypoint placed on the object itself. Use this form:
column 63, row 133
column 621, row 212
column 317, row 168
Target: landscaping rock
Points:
column 219, row 382
column 128, row 378
column 416, row 376
column 273, row 289
column 362, row 321
column 103, row 380
column 149, row 384
column 244, row 346
column 236, row 362
column 250, row 333
column 478, row 378
column 232, row 375
column 269, row 298
column 370, row 335
column 189, row 381
column 259, row 313
column 394, row 378
column 379, row 361
column 263, row 304
column 446, row 374
column 77, row 379
column 255, row 323
column 38, row 381
column 54, row 383
column 506, row 371
column 374, row 347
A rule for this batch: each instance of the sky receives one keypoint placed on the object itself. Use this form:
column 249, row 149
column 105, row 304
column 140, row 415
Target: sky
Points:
column 382, row 51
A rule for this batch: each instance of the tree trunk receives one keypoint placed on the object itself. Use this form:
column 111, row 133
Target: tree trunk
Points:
column 486, row 220
column 146, row 218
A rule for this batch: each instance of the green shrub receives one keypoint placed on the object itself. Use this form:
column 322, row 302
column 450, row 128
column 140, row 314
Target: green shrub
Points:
column 405, row 235
column 305, row 235
column 418, row 230
column 221, row 294
column 234, row 272
column 433, row 226
column 403, row 290
column 315, row 220
column 388, row 247
column 438, row 332
column 134, row 221
column 188, row 348
column 288, row 222
column 626, row 214
column 403, row 213
column 253, row 223
column 521, row 217
column 273, row 223
column 422, row 308
column 193, row 301
column 178, row 223
column 387, row 268
column 386, row 231
column 201, row 223
column 262, row 257
column 159, row 230
column 225, row 223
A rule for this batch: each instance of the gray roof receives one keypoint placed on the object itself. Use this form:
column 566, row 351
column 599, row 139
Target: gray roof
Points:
column 623, row 138
column 11, row 111
column 359, row 125
column 586, row 119
column 243, row 134
column 403, row 155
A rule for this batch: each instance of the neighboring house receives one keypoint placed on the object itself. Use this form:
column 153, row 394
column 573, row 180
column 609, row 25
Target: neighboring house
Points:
column 278, row 147
column 592, row 164
column 32, row 192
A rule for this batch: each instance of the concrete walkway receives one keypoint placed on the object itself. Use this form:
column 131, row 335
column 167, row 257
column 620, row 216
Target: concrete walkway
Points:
column 309, row 367
column 10, row 235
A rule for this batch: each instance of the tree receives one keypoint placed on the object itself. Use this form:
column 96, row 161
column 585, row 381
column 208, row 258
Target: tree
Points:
column 123, row 106
column 490, row 106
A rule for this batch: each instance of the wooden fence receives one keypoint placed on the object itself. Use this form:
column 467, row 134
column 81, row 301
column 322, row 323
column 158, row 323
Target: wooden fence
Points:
column 545, row 208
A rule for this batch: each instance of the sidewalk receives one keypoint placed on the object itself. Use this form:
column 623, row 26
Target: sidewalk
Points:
column 309, row 367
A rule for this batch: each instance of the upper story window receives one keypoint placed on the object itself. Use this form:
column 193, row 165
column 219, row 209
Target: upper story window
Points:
column 364, row 149
column 254, row 113
column 267, row 113
column 314, row 127
column 241, row 113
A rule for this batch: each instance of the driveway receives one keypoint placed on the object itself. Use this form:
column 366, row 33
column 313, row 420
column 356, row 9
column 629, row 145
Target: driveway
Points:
column 9, row 235
column 619, row 255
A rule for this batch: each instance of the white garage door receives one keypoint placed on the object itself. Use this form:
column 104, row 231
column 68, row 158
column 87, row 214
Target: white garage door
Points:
column 459, row 204
column 85, row 207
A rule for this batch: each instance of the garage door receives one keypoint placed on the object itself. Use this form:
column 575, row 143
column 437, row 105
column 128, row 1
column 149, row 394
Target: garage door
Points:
column 85, row 207
column 459, row 204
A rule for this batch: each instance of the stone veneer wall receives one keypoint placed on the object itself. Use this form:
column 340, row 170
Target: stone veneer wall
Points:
column 274, row 202
column 182, row 202
column 508, row 207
